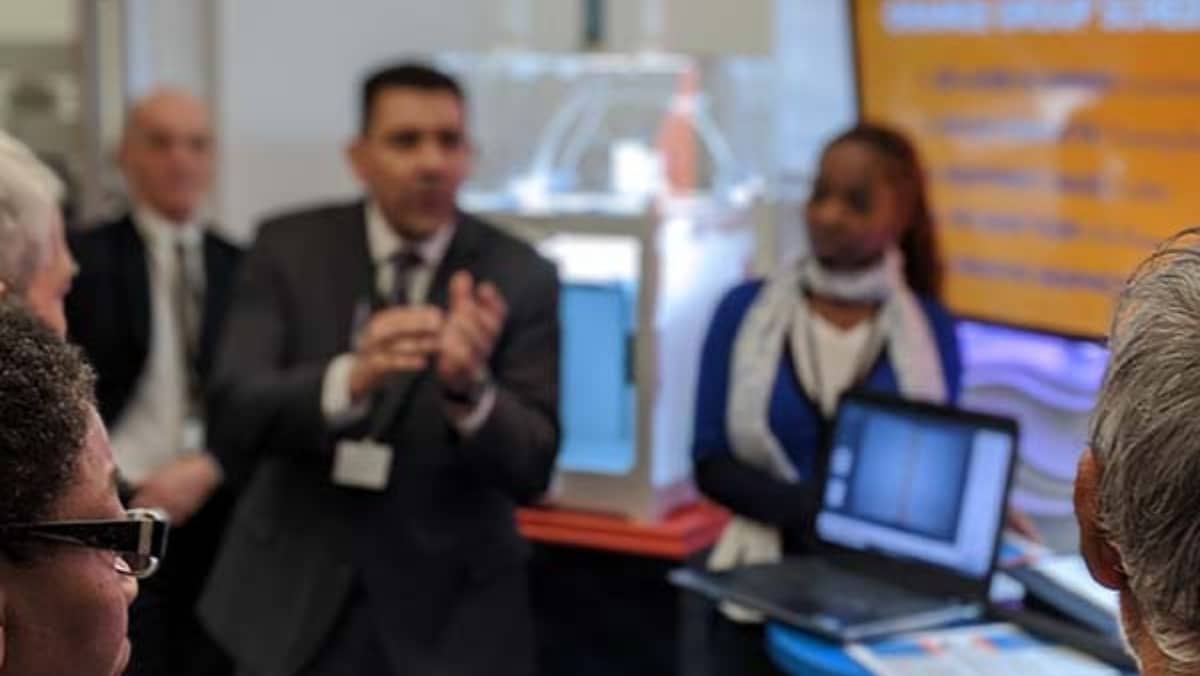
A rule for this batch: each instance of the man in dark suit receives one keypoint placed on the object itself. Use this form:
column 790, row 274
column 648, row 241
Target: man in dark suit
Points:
column 147, row 307
column 388, row 390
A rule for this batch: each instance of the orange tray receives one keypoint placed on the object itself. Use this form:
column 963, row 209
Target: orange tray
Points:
column 678, row 536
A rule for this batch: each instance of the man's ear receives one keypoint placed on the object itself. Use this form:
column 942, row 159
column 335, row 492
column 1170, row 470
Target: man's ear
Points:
column 356, row 157
column 1103, row 559
column 3, row 289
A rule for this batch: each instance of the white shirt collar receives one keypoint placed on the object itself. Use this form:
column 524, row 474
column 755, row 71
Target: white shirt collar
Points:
column 383, row 242
column 154, row 227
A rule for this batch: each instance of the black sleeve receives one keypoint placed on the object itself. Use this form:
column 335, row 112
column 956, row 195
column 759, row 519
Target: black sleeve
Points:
column 751, row 492
column 516, row 447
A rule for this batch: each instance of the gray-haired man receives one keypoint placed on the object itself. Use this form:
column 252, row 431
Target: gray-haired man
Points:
column 1137, row 495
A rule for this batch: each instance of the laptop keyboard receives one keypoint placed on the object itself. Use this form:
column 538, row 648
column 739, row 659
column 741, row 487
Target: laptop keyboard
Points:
column 813, row 585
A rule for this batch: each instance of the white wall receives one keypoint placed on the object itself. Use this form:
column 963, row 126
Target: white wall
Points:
column 38, row 21
column 170, row 44
column 816, row 89
column 287, row 80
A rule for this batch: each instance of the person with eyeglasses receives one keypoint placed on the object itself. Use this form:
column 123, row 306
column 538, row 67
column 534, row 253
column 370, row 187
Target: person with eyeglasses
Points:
column 70, row 555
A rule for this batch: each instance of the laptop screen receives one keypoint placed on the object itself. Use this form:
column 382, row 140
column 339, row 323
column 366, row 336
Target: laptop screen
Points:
column 917, row 483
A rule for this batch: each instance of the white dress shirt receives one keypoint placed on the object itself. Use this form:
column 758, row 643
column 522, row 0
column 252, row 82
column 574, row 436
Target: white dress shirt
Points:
column 155, row 428
column 382, row 244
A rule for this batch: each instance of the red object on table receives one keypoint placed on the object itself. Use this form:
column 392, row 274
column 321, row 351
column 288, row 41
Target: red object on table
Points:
column 678, row 536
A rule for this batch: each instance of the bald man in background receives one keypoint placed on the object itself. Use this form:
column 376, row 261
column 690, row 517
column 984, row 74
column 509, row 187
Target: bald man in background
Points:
column 147, row 308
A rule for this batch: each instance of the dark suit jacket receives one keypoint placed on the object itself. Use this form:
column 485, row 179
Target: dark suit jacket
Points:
column 424, row 551
column 108, row 309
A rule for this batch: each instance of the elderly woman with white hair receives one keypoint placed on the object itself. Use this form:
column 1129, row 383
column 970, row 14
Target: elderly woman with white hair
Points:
column 1137, row 494
column 36, row 267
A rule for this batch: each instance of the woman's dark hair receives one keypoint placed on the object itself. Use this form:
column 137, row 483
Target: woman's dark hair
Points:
column 45, row 412
column 922, row 256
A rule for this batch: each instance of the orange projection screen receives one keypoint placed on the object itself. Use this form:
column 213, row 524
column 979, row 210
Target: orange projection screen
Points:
column 1061, row 138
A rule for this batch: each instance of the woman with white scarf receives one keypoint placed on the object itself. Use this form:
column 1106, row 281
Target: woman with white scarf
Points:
column 861, row 311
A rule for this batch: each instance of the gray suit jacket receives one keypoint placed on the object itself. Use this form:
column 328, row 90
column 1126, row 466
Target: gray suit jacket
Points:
column 444, row 528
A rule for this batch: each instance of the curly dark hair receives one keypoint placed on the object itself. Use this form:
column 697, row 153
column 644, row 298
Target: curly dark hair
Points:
column 923, row 266
column 46, row 401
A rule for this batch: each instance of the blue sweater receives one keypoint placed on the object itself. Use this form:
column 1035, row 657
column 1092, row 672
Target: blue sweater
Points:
column 794, row 418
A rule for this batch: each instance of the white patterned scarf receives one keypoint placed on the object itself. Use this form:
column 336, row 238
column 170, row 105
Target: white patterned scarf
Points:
column 902, row 329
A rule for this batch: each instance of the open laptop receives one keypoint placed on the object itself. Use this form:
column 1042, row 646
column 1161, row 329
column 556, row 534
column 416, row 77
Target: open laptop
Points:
column 913, row 503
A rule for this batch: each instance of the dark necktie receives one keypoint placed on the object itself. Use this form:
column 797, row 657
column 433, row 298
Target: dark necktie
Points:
column 188, row 300
column 405, row 264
